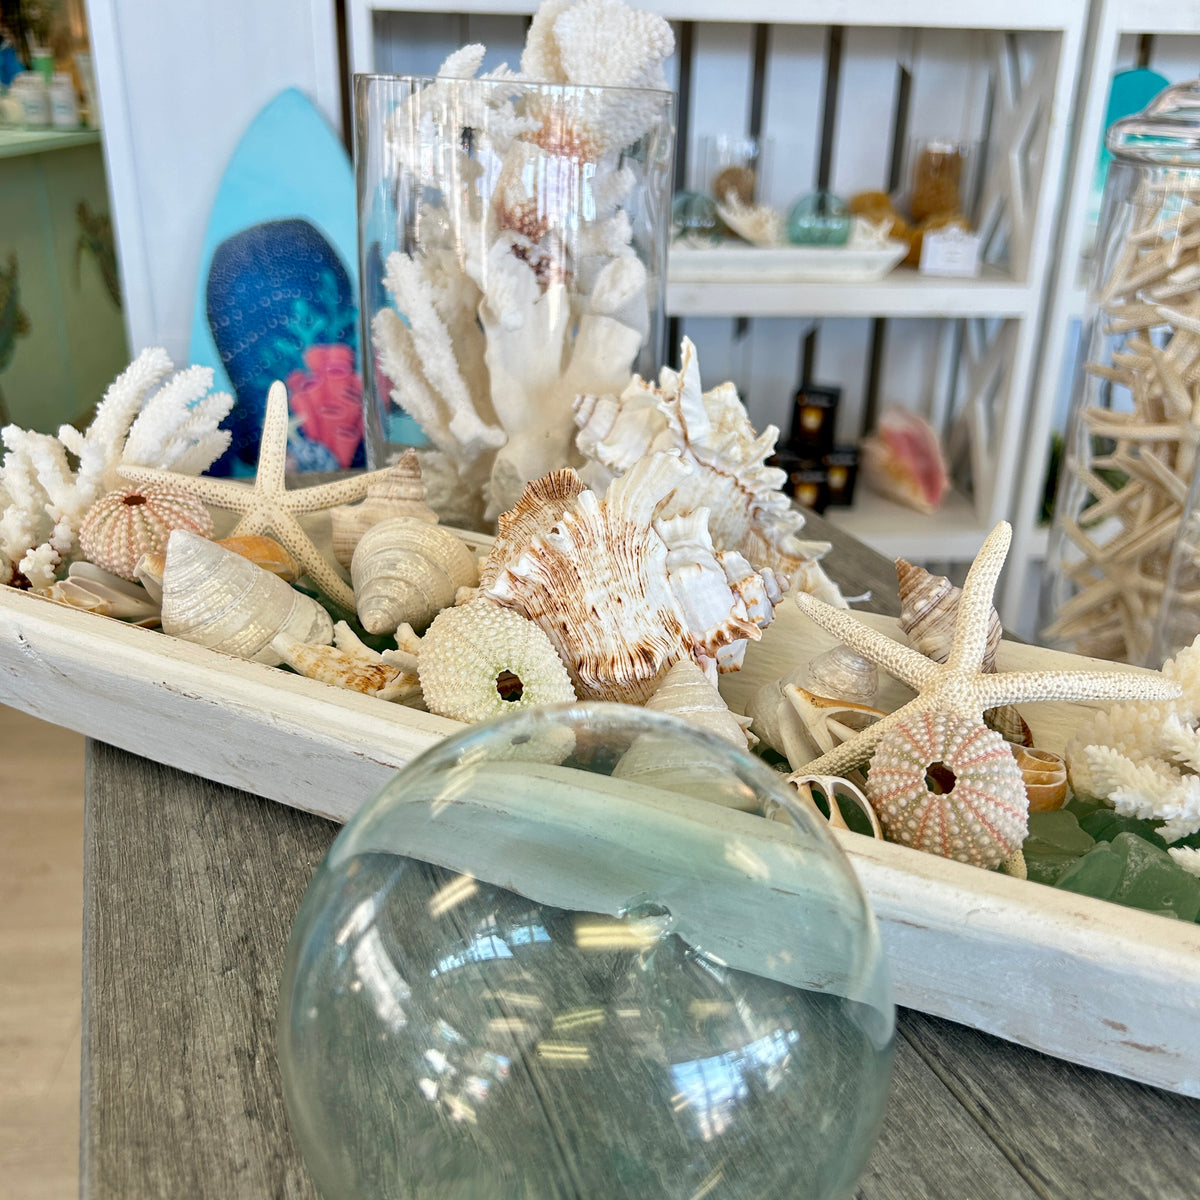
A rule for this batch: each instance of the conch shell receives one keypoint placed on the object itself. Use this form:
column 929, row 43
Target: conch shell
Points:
column 406, row 570
column 748, row 510
column 397, row 492
column 928, row 611
column 618, row 604
column 219, row 599
column 903, row 460
column 686, row 692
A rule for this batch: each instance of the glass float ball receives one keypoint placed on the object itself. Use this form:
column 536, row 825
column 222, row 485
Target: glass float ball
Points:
column 694, row 218
column 819, row 219
column 560, row 956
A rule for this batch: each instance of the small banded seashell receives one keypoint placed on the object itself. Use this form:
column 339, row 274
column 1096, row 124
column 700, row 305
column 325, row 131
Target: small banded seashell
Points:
column 947, row 784
column 405, row 571
column 928, row 610
column 218, row 599
column 1045, row 776
column 93, row 589
column 399, row 492
column 126, row 523
column 264, row 552
column 843, row 674
column 342, row 668
column 479, row 660
column 687, row 693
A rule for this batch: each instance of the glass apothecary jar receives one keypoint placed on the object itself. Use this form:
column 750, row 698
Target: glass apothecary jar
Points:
column 562, row 955
column 1121, row 580
column 512, row 251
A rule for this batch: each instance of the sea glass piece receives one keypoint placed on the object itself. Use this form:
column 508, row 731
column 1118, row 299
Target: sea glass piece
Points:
column 1132, row 872
column 819, row 219
column 520, row 977
column 1055, row 841
column 1105, row 823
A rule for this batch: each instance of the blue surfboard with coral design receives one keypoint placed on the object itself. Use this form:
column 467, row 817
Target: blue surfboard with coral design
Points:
column 277, row 290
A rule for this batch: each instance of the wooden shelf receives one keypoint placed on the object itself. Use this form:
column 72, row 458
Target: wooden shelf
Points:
column 15, row 142
column 903, row 293
column 954, row 533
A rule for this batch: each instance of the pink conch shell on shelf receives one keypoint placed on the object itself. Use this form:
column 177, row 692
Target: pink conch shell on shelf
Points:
column 327, row 397
column 619, row 604
column 126, row 523
column 1045, row 777
column 947, row 784
column 903, row 460
column 748, row 510
column 398, row 492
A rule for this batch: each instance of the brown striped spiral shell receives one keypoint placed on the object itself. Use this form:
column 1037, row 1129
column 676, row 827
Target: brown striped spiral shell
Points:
column 947, row 784
column 125, row 524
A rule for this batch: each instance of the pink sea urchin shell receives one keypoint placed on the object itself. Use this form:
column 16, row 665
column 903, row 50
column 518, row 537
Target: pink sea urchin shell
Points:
column 947, row 784
column 125, row 524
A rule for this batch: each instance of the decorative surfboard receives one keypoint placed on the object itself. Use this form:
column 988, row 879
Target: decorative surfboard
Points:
column 277, row 290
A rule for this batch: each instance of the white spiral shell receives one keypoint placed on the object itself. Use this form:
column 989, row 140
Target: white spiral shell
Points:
column 219, row 599
column 405, row 571
column 975, row 812
column 398, row 493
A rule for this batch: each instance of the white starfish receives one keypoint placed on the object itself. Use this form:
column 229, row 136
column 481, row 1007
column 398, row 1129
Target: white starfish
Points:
column 266, row 505
column 959, row 685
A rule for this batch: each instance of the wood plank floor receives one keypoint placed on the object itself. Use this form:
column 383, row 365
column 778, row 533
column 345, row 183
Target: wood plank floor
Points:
column 41, row 902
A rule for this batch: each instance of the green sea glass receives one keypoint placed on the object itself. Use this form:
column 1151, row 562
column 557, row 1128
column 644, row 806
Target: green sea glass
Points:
column 1054, row 843
column 1135, row 873
column 1105, row 824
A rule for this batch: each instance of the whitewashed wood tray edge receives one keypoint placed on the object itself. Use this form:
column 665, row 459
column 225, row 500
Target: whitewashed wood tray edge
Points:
column 1080, row 979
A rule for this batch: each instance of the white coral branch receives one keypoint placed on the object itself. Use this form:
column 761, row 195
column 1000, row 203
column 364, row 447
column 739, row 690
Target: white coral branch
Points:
column 1187, row 858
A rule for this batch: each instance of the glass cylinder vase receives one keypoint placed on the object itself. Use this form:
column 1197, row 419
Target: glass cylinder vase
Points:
column 512, row 241
column 1115, row 586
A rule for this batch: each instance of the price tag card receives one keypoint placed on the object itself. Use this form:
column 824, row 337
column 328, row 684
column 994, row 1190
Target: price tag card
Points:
column 951, row 251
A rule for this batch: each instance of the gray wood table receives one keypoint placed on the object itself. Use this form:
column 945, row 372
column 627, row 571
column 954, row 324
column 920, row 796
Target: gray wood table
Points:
column 190, row 892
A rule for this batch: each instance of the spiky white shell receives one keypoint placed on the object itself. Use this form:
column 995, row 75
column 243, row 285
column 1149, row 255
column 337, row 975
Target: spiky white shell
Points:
column 405, row 571
column 982, row 819
column 468, row 654
column 400, row 492
column 219, row 599
column 128, row 522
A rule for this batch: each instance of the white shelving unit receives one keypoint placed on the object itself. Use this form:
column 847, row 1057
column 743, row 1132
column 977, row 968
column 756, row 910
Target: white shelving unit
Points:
column 1111, row 22
column 962, row 352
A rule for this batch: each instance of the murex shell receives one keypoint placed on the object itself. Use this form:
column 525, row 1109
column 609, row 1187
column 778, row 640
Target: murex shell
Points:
column 975, row 810
column 405, row 571
column 398, row 493
column 621, row 601
column 126, row 523
column 219, row 599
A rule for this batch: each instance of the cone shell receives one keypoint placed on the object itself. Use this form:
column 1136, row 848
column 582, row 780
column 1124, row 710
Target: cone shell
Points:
column 1045, row 777
column 126, row 523
column 264, row 552
column 218, row 599
column 928, row 610
column 399, row 492
column 405, row 571
column 980, row 816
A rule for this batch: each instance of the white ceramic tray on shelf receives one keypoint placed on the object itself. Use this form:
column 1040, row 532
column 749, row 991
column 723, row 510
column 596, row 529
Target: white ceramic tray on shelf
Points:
column 782, row 264
column 1081, row 979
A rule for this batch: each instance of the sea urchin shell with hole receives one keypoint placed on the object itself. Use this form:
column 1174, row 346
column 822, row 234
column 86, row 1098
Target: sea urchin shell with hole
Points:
column 948, row 785
column 131, row 521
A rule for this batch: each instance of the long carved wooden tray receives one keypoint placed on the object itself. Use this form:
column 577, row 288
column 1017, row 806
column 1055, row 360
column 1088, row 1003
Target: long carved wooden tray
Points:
column 1081, row 979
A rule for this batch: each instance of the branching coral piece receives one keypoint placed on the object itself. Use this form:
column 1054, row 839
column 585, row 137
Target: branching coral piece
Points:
column 1145, row 756
column 148, row 417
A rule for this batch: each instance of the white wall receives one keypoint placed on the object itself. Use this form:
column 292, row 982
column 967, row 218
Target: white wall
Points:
column 179, row 82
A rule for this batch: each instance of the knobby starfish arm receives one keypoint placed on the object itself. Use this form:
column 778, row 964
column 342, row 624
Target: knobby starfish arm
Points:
column 291, row 536
column 855, row 750
column 221, row 493
column 1022, row 687
column 272, row 448
column 903, row 662
column 975, row 604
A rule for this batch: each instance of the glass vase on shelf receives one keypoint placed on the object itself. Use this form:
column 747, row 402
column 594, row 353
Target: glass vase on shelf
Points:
column 1118, row 584
column 512, row 242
